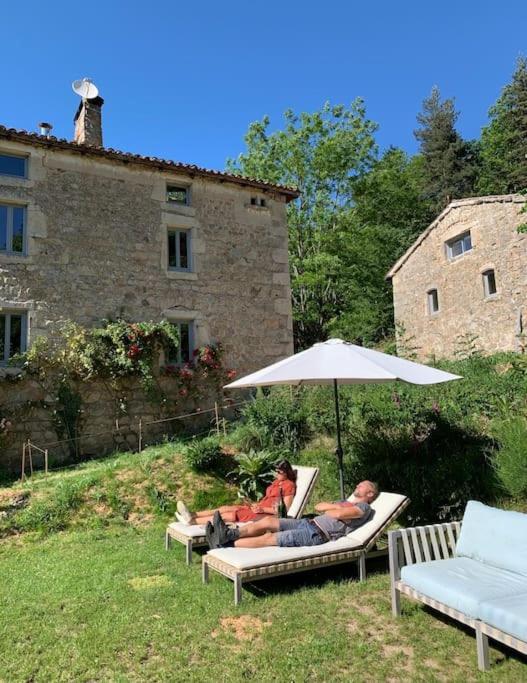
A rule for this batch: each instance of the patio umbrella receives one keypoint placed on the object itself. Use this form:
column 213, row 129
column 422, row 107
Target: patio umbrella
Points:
column 337, row 362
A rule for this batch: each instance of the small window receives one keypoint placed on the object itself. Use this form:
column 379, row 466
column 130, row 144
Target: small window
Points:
column 186, row 343
column 489, row 283
column 459, row 246
column 433, row 301
column 13, row 335
column 12, row 229
column 179, row 253
column 258, row 201
column 177, row 194
column 13, row 166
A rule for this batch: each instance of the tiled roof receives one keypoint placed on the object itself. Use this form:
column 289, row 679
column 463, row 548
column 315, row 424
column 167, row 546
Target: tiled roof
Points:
column 154, row 162
column 456, row 204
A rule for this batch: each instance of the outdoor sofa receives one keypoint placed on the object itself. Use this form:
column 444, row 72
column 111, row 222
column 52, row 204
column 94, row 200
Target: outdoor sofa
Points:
column 242, row 565
column 193, row 535
column 474, row 571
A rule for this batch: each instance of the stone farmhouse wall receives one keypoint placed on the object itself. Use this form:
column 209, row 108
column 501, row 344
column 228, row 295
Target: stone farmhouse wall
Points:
column 493, row 323
column 97, row 248
column 109, row 419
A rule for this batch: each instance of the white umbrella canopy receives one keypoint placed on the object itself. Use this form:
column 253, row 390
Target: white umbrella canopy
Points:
column 336, row 361
column 345, row 362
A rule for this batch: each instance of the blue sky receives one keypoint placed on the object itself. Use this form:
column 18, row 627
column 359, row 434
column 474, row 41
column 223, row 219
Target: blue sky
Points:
column 183, row 80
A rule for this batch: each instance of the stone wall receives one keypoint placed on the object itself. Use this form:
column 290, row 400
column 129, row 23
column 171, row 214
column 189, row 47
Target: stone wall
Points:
column 465, row 317
column 109, row 419
column 97, row 248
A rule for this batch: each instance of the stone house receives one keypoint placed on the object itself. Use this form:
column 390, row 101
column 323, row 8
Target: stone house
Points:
column 463, row 283
column 88, row 233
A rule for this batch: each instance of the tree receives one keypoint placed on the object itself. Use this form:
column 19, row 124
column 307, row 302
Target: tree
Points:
column 323, row 154
column 449, row 164
column 388, row 215
column 504, row 139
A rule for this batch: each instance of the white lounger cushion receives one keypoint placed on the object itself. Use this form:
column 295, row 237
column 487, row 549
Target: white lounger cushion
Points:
column 249, row 558
column 304, row 481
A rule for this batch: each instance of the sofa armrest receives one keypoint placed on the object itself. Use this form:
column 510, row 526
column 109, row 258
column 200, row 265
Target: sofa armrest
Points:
column 421, row 544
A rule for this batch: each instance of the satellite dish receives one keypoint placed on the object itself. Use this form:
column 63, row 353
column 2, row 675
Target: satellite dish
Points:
column 85, row 88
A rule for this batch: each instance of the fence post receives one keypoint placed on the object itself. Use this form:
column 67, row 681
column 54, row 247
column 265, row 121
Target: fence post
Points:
column 30, row 458
column 23, row 475
column 140, row 434
column 46, row 462
column 217, row 417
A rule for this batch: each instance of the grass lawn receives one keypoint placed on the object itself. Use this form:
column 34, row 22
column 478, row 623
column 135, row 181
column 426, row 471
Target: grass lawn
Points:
column 88, row 593
column 112, row 605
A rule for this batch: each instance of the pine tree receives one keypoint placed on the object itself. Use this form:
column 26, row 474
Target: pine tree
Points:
column 504, row 139
column 448, row 161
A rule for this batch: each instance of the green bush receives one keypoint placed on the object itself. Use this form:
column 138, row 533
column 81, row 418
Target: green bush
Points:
column 281, row 418
column 511, row 458
column 255, row 471
column 204, row 455
column 248, row 436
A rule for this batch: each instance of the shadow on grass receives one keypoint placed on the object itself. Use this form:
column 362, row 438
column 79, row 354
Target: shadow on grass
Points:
column 504, row 652
column 316, row 578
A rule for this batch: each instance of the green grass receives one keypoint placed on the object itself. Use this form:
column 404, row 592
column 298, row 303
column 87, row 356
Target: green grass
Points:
column 112, row 605
column 88, row 593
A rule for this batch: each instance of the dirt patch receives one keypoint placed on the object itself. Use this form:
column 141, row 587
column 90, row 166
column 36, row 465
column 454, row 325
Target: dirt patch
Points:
column 140, row 519
column 144, row 582
column 243, row 628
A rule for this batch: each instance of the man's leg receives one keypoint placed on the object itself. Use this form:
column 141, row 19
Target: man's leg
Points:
column 258, row 528
column 268, row 538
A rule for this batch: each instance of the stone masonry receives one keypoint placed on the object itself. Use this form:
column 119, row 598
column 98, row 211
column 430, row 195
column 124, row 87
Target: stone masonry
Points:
column 466, row 316
column 97, row 227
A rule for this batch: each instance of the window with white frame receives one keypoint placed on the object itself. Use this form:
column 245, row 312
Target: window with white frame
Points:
column 489, row 282
column 13, row 334
column 186, row 343
column 178, row 194
column 433, row 301
column 179, row 250
column 459, row 245
column 12, row 229
column 12, row 165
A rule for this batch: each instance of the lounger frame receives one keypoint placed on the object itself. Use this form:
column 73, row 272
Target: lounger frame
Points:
column 241, row 576
column 438, row 542
column 191, row 542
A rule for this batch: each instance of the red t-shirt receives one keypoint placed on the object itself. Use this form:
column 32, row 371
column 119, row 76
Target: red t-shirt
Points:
column 272, row 496
column 272, row 492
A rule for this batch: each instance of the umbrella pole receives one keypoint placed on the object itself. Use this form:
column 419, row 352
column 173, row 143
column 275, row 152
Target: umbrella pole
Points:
column 339, row 451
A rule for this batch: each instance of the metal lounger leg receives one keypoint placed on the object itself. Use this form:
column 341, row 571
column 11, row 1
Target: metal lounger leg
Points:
column 205, row 571
column 168, row 541
column 362, row 567
column 237, row 589
column 482, row 644
column 188, row 552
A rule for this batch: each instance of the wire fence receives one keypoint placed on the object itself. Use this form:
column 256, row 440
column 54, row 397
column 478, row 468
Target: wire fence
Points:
column 217, row 423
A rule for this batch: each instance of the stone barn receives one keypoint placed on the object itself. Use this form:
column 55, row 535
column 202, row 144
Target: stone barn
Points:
column 463, row 283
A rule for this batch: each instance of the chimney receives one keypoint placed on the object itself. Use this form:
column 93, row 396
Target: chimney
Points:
column 88, row 123
column 45, row 129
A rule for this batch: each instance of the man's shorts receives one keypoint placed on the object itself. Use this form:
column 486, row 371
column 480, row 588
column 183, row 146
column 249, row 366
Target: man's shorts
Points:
column 297, row 532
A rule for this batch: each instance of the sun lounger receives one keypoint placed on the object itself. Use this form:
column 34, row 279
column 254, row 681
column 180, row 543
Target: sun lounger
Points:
column 242, row 565
column 193, row 536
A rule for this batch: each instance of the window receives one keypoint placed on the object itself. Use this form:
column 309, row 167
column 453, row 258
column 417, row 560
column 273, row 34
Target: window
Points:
column 433, row 301
column 177, row 194
column 258, row 201
column 459, row 246
column 13, row 335
column 186, row 343
column 12, row 229
column 179, row 254
column 13, row 165
column 489, row 283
